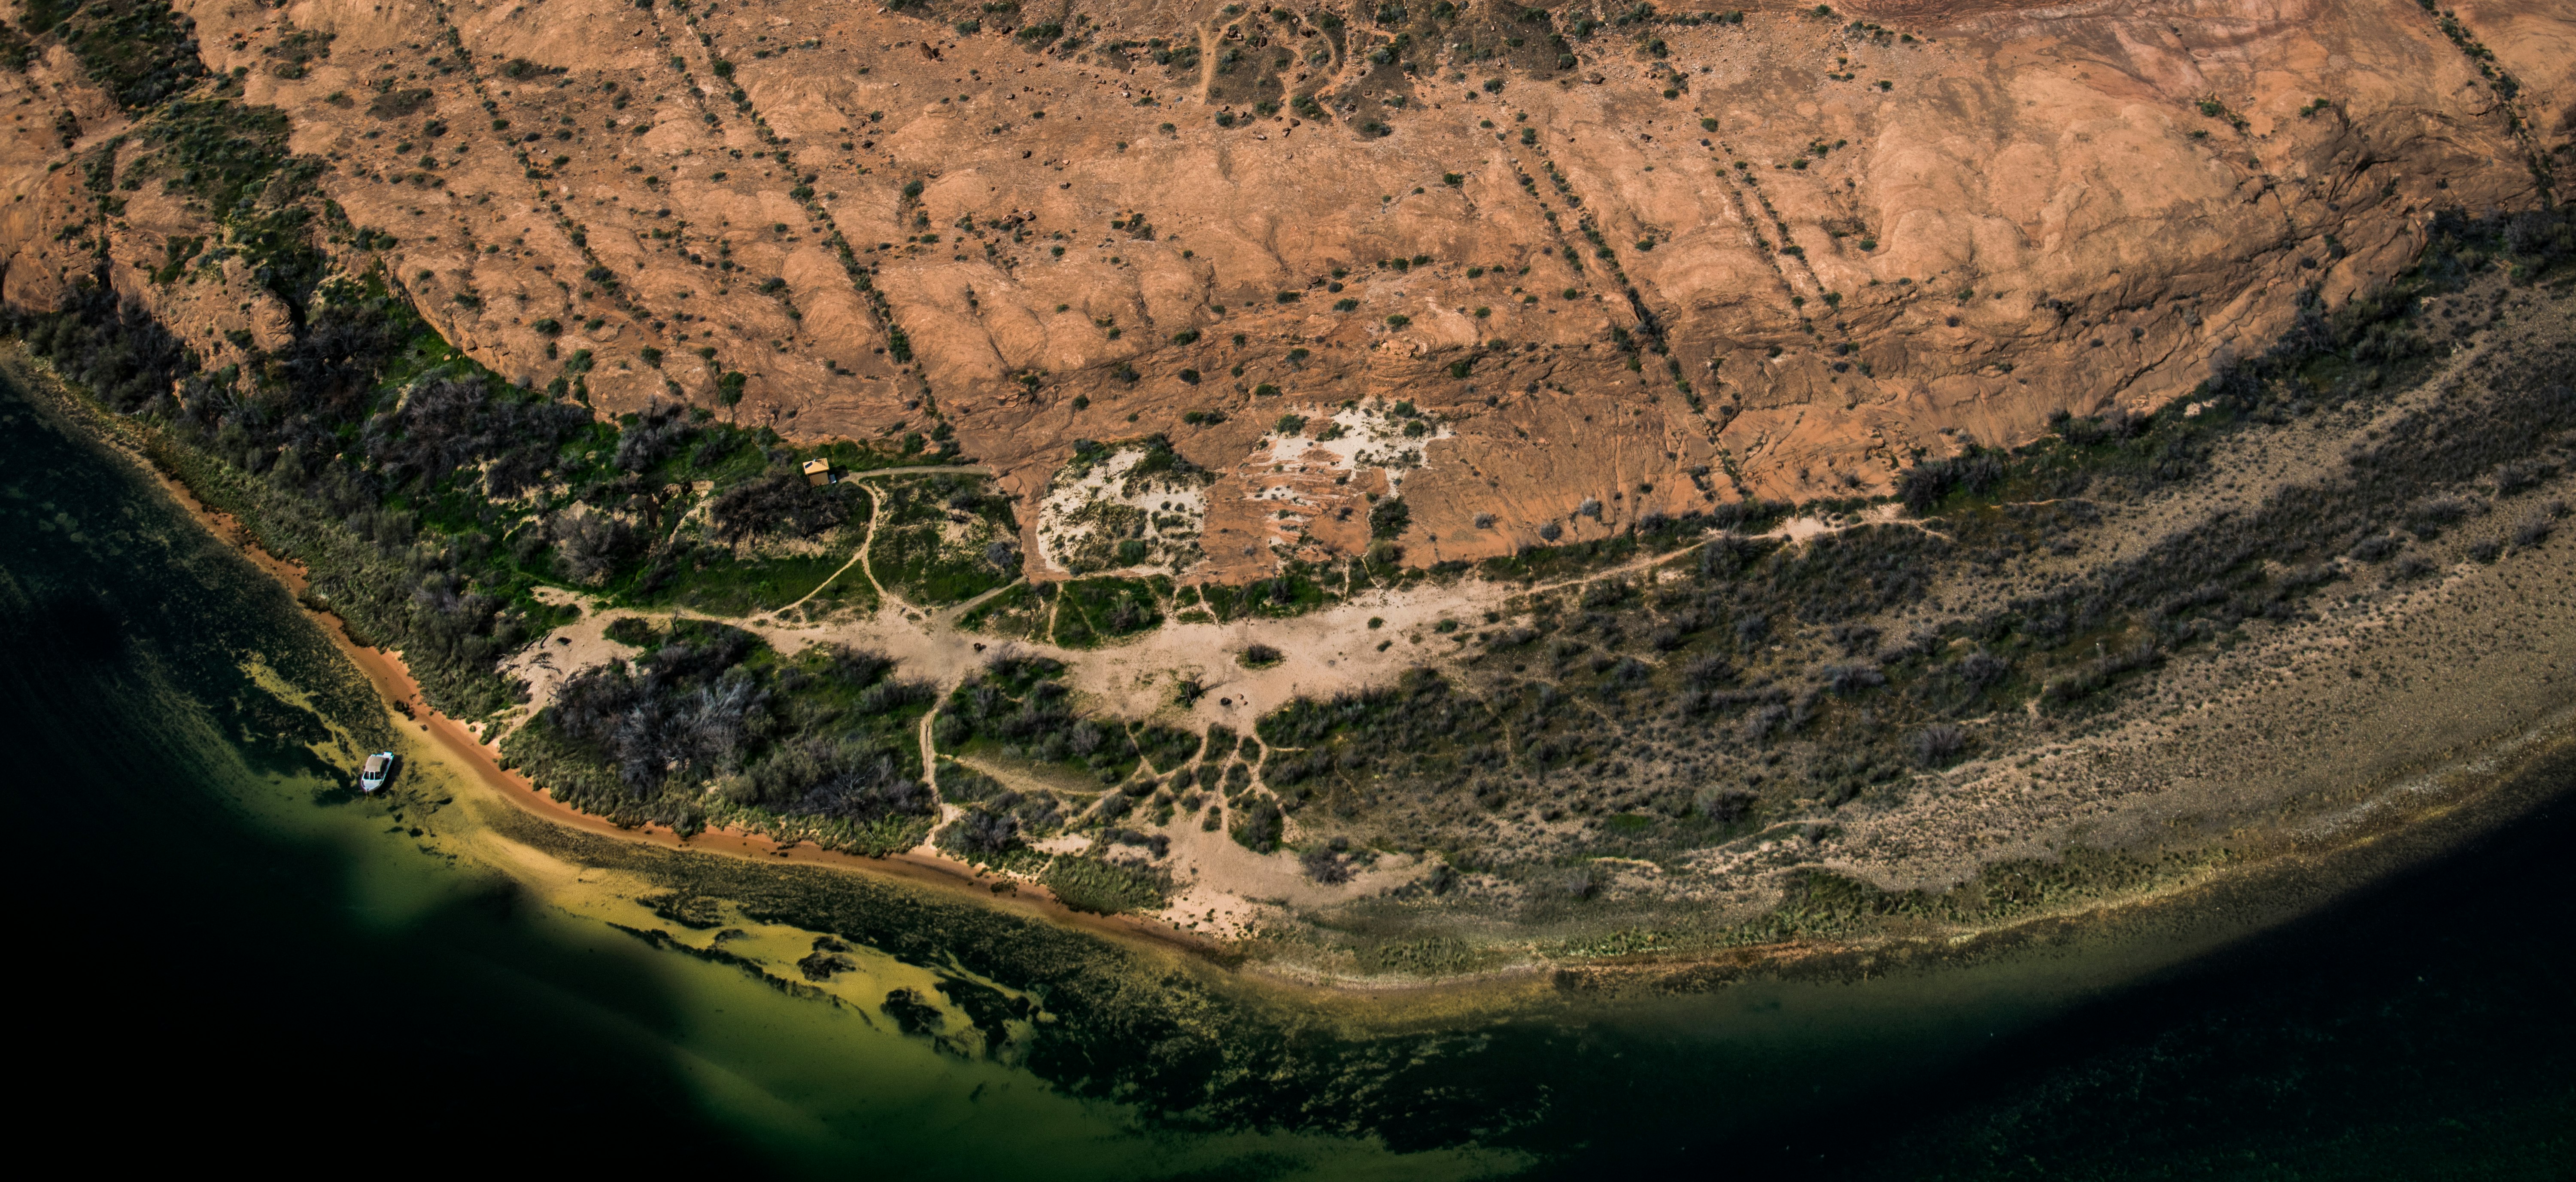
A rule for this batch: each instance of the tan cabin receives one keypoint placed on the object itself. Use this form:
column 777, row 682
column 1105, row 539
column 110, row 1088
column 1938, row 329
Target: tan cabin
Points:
column 818, row 472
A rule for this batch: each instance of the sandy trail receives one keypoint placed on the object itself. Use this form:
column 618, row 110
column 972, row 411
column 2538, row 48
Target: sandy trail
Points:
column 1364, row 641
column 454, row 742
column 877, row 513
column 951, row 615
column 856, row 557
column 920, row 470
column 1221, row 889
column 1370, row 639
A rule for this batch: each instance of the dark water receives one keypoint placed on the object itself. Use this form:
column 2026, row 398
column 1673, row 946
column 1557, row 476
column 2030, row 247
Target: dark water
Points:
column 203, row 973
column 2419, row 1028
column 222, row 953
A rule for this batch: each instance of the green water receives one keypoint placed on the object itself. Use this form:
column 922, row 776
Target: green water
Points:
column 234, row 912
column 221, row 937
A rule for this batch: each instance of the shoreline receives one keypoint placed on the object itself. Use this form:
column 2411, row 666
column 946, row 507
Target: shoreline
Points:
column 2295, row 878
column 385, row 670
column 405, row 704
column 2347, row 854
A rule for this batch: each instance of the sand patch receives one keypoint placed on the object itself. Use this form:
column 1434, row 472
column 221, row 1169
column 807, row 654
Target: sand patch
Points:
column 1132, row 511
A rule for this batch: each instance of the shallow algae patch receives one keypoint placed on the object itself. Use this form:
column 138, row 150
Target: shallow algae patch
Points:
column 344, row 749
column 962, row 1014
column 182, row 706
column 824, row 1052
column 1114, row 1017
column 826, row 1018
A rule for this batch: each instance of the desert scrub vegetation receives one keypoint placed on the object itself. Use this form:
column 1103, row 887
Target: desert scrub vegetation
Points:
column 1018, row 612
column 229, row 161
column 1823, row 903
column 1820, row 904
column 2358, row 354
column 139, row 51
column 944, row 539
column 1298, row 588
column 996, row 821
column 431, row 498
column 1347, row 745
column 17, row 51
column 1090, row 612
column 1104, row 885
column 709, row 724
column 2415, row 471
column 1757, row 681
column 1131, row 506
column 1018, row 710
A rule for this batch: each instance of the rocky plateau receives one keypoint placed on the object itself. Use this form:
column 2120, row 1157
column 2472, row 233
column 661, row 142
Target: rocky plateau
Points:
column 1652, row 259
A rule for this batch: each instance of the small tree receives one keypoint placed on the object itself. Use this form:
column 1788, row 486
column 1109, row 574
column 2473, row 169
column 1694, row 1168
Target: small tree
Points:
column 1939, row 744
column 1388, row 518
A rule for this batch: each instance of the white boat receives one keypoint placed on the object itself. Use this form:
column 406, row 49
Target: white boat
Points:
column 379, row 768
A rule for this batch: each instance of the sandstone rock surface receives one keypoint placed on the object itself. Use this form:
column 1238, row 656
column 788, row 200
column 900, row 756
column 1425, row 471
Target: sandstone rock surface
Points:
column 1651, row 261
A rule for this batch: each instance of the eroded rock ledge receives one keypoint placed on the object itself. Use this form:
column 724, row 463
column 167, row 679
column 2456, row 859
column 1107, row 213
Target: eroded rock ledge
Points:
column 1653, row 259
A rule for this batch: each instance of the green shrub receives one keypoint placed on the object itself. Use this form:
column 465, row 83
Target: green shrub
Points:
column 1097, row 885
column 1388, row 518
